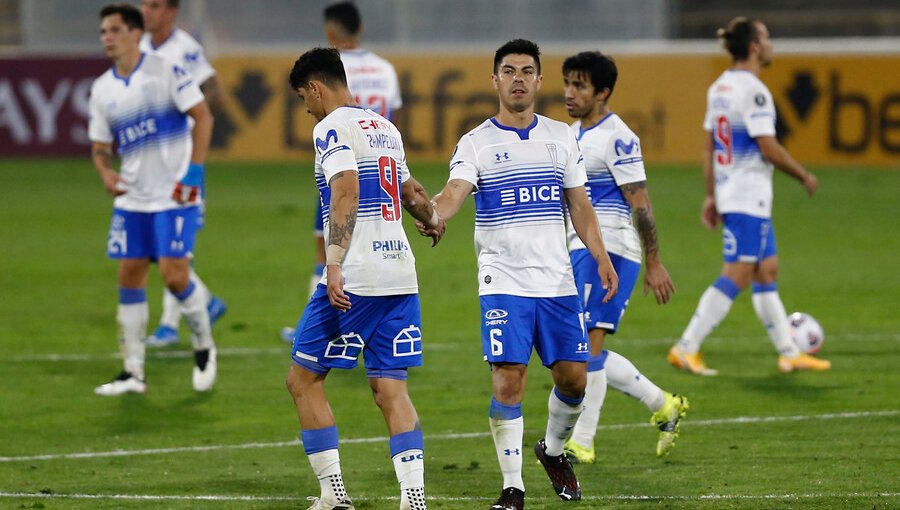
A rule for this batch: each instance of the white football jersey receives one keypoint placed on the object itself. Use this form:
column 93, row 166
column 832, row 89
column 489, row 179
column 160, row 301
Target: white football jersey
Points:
column 143, row 116
column 373, row 81
column 185, row 50
column 739, row 108
column 519, row 177
column 379, row 261
column 612, row 158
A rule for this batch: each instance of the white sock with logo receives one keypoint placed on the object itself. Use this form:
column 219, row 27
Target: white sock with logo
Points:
column 562, row 416
column 713, row 307
column 622, row 375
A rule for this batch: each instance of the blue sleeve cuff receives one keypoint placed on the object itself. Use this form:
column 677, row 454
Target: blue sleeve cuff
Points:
column 194, row 175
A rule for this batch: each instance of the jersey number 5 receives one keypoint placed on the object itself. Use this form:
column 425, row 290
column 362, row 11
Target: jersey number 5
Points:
column 723, row 150
column 390, row 183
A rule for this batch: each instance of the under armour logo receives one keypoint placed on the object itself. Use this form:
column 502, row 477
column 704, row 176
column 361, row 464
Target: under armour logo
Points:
column 502, row 156
column 512, row 451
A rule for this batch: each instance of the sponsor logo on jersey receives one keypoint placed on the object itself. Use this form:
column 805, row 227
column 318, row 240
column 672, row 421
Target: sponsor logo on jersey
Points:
column 501, row 157
column 759, row 99
column 322, row 145
column 495, row 316
column 140, row 129
column 626, row 148
column 527, row 194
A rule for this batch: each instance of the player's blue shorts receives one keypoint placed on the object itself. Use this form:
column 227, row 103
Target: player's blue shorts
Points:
column 513, row 325
column 598, row 314
column 747, row 238
column 386, row 328
column 137, row 235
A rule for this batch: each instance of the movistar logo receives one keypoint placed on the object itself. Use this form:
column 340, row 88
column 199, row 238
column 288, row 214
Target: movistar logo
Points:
column 322, row 145
column 625, row 148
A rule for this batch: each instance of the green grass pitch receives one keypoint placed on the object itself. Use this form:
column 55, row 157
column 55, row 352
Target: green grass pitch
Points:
column 752, row 439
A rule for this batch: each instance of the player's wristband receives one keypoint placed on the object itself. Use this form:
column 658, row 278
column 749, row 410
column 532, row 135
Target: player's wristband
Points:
column 194, row 175
column 334, row 255
column 435, row 218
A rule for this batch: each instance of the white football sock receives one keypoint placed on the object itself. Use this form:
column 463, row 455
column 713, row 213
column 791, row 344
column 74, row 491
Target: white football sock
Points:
column 561, row 419
column 409, row 465
column 171, row 312
column 770, row 311
column 193, row 308
column 712, row 308
column 327, row 467
column 132, row 319
column 508, row 442
column 594, row 396
column 622, row 375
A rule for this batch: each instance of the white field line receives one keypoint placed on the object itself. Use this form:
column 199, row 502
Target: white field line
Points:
column 740, row 420
column 612, row 497
column 436, row 346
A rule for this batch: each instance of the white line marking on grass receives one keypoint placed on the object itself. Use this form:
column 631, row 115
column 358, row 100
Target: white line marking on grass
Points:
column 612, row 497
column 442, row 346
column 437, row 437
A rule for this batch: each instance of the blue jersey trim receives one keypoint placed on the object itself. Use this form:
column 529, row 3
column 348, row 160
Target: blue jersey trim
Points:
column 127, row 79
column 523, row 133
column 582, row 131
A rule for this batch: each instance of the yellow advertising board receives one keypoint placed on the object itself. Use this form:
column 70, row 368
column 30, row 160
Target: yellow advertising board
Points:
column 842, row 109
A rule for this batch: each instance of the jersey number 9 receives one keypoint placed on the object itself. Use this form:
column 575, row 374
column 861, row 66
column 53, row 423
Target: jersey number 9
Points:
column 390, row 183
column 723, row 146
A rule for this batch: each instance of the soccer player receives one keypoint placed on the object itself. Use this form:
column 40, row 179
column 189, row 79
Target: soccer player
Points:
column 617, row 187
column 144, row 105
column 374, row 85
column 369, row 302
column 740, row 152
column 524, row 170
column 163, row 37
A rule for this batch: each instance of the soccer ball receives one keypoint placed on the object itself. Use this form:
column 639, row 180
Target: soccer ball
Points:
column 806, row 332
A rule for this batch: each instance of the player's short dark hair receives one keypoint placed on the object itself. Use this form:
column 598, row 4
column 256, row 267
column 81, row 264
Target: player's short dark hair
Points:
column 173, row 4
column 518, row 47
column 600, row 68
column 321, row 64
column 344, row 14
column 130, row 14
column 737, row 35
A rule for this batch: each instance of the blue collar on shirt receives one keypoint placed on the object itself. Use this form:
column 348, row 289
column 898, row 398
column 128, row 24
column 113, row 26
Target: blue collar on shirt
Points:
column 583, row 130
column 127, row 79
column 523, row 133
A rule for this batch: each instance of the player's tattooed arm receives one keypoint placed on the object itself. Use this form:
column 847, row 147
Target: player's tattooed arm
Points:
column 343, row 209
column 637, row 196
column 102, row 156
column 428, row 221
column 656, row 277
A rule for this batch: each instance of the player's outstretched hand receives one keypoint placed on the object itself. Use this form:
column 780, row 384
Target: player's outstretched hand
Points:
column 608, row 278
column 709, row 215
column 657, row 278
column 811, row 183
column 335, row 287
